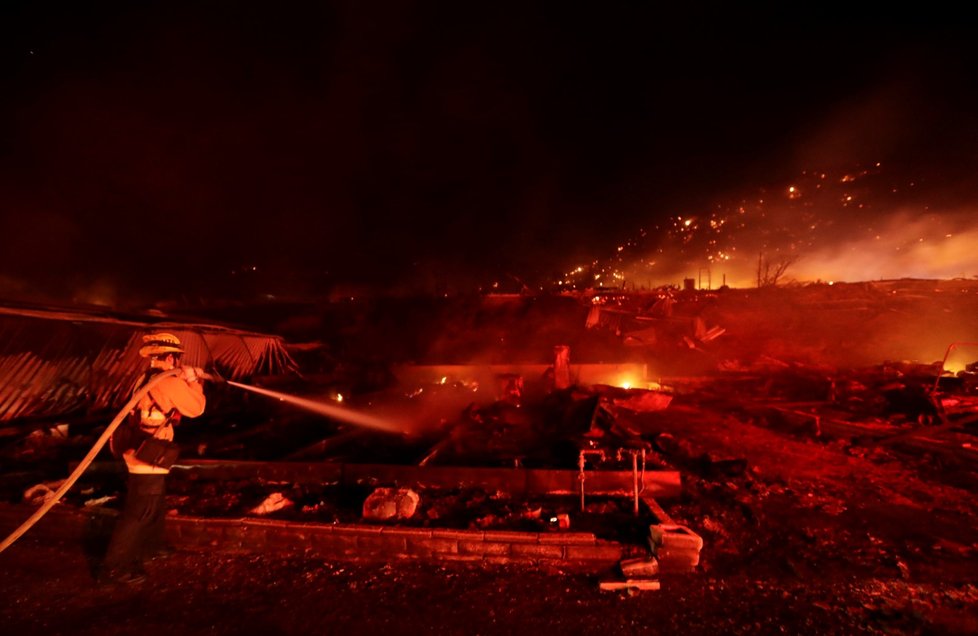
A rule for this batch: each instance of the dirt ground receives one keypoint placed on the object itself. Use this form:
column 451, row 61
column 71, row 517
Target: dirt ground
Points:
column 47, row 589
column 802, row 535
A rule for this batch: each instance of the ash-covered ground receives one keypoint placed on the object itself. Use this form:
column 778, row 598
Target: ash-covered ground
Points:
column 833, row 490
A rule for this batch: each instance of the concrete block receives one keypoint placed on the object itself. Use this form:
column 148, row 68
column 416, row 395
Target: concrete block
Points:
column 245, row 537
column 536, row 551
column 512, row 537
column 357, row 529
column 568, row 538
column 609, row 553
column 459, row 535
column 218, row 523
column 434, row 547
column 278, row 523
column 380, row 544
column 484, row 548
column 193, row 532
column 407, row 533
column 629, row 584
column 673, row 538
column 289, row 540
column 639, row 568
column 333, row 544
column 464, row 558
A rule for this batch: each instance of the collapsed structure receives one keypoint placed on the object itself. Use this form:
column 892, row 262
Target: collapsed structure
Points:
column 537, row 459
column 56, row 363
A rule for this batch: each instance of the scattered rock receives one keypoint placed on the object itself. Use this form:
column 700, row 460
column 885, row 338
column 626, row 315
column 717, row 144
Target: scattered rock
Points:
column 390, row 503
column 275, row 501
column 39, row 494
column 643, row 567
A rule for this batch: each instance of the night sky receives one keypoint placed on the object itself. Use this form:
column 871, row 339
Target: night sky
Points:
column 149, row 150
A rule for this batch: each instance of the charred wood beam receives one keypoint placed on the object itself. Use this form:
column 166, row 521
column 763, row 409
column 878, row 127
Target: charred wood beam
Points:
column 919, row 439
column 435, row 451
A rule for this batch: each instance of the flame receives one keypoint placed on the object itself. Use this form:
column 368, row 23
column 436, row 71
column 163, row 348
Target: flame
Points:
column 626, row 382
column 842, row 227
column 954, row 366
column 960, row 357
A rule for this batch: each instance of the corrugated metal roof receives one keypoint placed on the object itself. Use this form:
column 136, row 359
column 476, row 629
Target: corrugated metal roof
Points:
column 56, row 363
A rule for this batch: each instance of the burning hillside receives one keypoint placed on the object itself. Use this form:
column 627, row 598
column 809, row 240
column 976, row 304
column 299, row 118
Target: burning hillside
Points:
column 865, row 223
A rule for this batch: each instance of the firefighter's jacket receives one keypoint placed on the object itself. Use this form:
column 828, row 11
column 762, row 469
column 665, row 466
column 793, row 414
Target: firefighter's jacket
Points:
column 169, row 399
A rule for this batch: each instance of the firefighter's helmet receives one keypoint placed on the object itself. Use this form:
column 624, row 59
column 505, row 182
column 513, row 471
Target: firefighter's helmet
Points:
column 160, row 344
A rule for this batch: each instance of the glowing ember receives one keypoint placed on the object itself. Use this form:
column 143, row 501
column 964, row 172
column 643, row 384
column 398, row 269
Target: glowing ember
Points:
column 856, row 225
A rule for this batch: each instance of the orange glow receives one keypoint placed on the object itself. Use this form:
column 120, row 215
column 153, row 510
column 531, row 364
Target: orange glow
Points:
column 814, row 233
column 627, row 382
column 955, row 366
column 959, row 357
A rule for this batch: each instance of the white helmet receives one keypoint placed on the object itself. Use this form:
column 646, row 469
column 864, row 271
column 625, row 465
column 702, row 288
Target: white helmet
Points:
column 160, row 344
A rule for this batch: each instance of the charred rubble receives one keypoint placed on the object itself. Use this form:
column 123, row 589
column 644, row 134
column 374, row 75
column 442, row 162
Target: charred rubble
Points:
column 615, row 384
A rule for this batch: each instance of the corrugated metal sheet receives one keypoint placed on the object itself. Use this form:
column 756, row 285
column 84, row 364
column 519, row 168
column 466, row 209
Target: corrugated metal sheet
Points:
column 55, row 363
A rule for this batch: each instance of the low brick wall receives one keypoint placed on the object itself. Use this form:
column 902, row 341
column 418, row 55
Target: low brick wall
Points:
column 572, row 550
column 361, row 541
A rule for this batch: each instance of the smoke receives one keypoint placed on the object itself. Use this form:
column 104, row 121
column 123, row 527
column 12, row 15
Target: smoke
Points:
column 857, row 224
column 908, row 245
column 876, row 183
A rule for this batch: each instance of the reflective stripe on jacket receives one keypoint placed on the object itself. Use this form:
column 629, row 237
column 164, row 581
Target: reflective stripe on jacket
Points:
column 170, row 395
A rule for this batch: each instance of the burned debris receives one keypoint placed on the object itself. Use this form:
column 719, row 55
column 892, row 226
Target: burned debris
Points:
column 682, row 454
column 58, row 363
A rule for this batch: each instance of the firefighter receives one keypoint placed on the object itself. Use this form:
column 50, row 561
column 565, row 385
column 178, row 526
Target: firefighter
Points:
column 145, row 442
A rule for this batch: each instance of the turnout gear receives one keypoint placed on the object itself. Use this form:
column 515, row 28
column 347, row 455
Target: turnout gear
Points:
column 153, row 419
column 145, row 443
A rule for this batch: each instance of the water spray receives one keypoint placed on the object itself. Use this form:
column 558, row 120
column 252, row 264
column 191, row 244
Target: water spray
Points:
column 341, row 413
column 337, row 412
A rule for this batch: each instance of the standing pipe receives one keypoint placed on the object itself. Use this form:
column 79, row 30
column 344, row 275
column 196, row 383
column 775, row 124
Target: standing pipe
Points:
column 635, row 479
column 951, row 347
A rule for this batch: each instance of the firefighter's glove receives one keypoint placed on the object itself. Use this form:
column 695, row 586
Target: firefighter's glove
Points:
column 192, row 374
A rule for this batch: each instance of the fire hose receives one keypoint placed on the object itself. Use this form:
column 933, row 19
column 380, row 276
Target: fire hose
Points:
column 342, row 414
column 83, row 465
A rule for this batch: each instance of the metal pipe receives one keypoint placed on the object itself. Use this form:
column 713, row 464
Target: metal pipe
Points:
column 950, row 347
column 635, row 480
column 581, row 461
column 580, row 476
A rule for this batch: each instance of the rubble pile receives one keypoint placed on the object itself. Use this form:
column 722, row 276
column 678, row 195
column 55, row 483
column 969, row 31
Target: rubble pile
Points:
column 797, row 463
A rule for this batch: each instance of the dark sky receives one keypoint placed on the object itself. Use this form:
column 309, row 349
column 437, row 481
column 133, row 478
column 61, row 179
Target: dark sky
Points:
column 163, row 145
